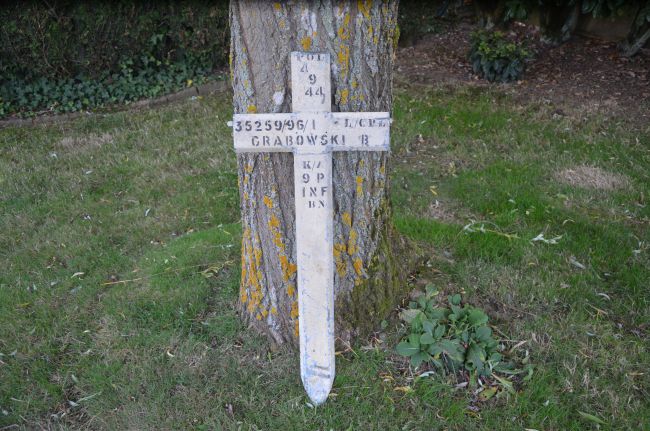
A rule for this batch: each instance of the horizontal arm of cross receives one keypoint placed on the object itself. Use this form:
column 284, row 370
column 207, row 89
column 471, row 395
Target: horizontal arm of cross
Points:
column 336, row 131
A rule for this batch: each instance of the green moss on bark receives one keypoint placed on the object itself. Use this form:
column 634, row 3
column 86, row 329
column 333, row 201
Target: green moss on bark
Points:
column 373, row 299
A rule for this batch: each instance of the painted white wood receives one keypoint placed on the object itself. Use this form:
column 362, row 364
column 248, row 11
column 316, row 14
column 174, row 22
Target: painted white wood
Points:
column 311, row 132
column 342, row 131
column 314, row 246
column 310, row 82
column 311, row 86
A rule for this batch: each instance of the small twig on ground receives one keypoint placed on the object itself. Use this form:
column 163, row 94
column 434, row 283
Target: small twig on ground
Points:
column 479, row 226
column 211, row 268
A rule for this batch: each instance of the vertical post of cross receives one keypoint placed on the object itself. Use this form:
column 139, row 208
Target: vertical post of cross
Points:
column 311, row 132
column 310, row 80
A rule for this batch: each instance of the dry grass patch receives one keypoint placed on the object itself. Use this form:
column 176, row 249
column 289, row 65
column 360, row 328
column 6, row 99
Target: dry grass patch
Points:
column 592, row 177
column 89, row 141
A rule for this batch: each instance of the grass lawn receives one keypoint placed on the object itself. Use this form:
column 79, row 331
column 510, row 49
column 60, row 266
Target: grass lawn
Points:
column 119, row 248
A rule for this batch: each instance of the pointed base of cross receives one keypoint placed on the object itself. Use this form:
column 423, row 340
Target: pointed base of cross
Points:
column 318, row 388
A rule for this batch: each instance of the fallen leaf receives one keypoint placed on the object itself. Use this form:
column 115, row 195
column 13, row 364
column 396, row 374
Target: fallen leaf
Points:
column 507, row 384
column 591, row 417
column 487, row 393
column 574, row 262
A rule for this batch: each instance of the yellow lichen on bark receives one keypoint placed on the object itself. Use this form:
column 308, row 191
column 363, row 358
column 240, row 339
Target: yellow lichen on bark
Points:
column 358, row 266
column 294, row 310
column 345, row 93
column 359, row 185
column 364, row 7
column 268, row 202
column 339, row 251
column 347, row 219
column 242, row 287
column 343, row 58
column 251, row 289
column 288, row 270
column 277, row 240
column 274, row 222
column 352, row 242
column 305, row 42
column 252, row 109
column 343, row 31
column 274, row 227
column 232, row 70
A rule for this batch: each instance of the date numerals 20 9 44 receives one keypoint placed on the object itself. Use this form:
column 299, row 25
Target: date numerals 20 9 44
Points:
column 314, row 90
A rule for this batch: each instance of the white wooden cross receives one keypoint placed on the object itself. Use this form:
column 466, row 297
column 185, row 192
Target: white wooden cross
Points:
column 311, row 132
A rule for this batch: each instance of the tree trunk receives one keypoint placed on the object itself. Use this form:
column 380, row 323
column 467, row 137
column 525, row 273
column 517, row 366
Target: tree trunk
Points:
column 639, row 32
column 490, row 13
column 558, row 21
column 361, row 38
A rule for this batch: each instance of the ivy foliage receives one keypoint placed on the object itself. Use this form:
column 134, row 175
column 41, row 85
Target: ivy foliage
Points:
column 496, row 58
column 450, row 338
column 66, row 38
column 25, row 98
column 64, row 56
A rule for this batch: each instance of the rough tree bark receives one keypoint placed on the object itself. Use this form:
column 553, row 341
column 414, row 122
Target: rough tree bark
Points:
column 360, row 37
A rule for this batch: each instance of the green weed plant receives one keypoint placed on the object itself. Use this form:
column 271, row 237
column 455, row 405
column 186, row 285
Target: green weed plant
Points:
column 450, row 338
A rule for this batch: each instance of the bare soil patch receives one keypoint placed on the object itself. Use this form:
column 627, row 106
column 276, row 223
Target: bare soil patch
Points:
column 584, row 74
column 441, row 212
column 592, row 177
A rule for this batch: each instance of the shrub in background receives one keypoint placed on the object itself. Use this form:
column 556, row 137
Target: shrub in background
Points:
column 496, row 58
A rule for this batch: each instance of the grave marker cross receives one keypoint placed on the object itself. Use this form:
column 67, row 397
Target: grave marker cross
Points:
column 311, row 132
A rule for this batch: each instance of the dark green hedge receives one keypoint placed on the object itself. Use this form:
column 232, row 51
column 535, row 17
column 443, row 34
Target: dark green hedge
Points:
column 63, row 39
column 65, row 56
